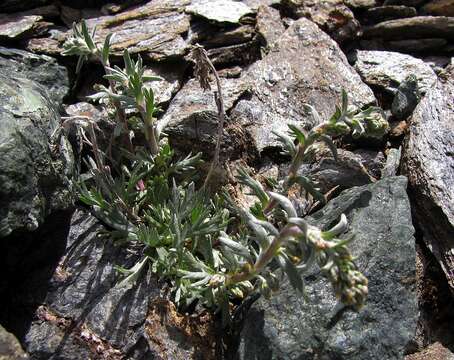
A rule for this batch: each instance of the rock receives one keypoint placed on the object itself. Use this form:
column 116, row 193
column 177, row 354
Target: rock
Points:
column 269, row 25
column 417, row 45
column 406, row 98
column 9, row 6
column 361, row 4
column 286, row 327
column 222, row 11
column 51, row 45
column 255, row 4
column 240, row 54
column 383, row 13
column 191, row 119
column 439, row 7
column 155, row 29
column 434, row 351
column 35, row 168
column 333, row 16
column 10, row 348
column 89, row 314
column 392, row 163
column 429, row 162
column 404, row 2
column 40, row 68
column 386, row 70
column 346, row 172
column 413, row 28
column 20, row 26
column 437, row 63
column 398, row 129
column 372, row 160
column 172, row 78
column 304, row 66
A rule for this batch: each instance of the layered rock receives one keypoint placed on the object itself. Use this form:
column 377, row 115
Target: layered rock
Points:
column 429, row 163
column 36, row 163
column 387, row 70
column 287, row 327
column 304, row 67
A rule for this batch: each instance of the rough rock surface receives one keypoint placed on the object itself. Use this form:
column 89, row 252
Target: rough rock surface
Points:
column 439, row 7
column 19, row 26
column 387, row 70
column 269, row 25
column 429, row 163
column 10, row 348
column 88, row 313
column 333, row 16
column 406, row 98
column 223, row 11
column 304, row 67
column 40, row 68
column 286, row 327
column 155, row 29
column 35, row 170
column 191, row 119
column 384, row 13
column 413, row 28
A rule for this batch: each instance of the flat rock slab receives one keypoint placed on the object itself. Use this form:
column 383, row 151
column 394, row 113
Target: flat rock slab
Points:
column 304, row 67
column 18, row 26
column 429, row 164
column 155, row 29
column 413, row 28
column 43, row 69
column 287, row 327
column 439, row 7
column 386, row 70
column 222, row 11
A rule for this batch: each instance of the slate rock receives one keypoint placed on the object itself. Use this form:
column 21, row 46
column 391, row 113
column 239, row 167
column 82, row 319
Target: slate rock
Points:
column 15, row 27
column 413, row 28
column 192, row 118
column 390, row 12
column 269, row 25
column 222, row 11
column 304, row 66
column 406, row 99
column 386, row 70
column 42, row 69
column 287, row 327
column 333, row 16
column 439, row 7
column 361, row 4
column 36, row 163
column 392, row 162
column 10, row 348
column 429, row 162
column 88, row 313
column 414, row 46
column 20, row 5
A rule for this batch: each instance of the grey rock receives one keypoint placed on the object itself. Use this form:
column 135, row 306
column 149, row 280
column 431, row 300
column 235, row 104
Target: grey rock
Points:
column 171, row 81
column 428, row 162
column 387, row 70
column 404, row 2
column 19, row 5
column 191, row 119
column 19, row 26
column 417, row 45
column 40, row 68
column 222, row 11
column 36, row 169
column 240, row 54
column 89, row 314
column 373, row 161
column 304, row 66
column 346, row 172
column 333, row 16
column 155, row 29
column 286, row 327
column 269, row 25
column 10, row 348
column 255, row 4
column 413, row 28
column 439, row 7
column 361, row 4
column 390, row 12
column 392, row 162
column 406, row 99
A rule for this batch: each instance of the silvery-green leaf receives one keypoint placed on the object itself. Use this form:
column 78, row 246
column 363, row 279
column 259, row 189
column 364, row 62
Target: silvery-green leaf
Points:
column 285, row 203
